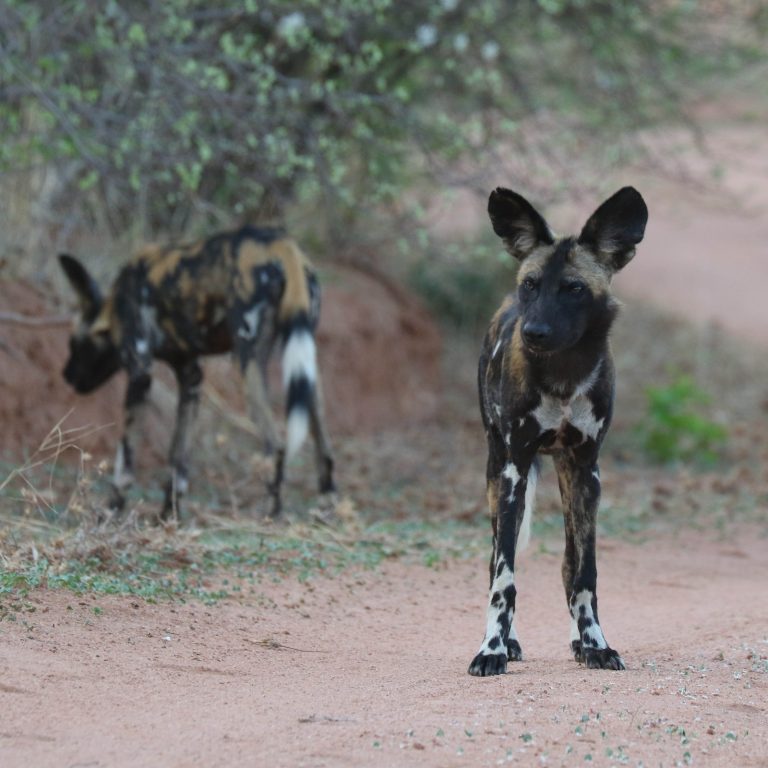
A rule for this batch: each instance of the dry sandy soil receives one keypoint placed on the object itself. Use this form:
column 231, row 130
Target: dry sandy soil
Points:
column 369, row 667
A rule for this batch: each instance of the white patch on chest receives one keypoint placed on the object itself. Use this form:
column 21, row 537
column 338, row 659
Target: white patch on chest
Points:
column 554, row 413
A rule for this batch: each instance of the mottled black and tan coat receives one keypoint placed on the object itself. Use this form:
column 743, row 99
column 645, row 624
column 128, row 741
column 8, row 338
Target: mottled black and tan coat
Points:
column 546, row 382
column 239, row 292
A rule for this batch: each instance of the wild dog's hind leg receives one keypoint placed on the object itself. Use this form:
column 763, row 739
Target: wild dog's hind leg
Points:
column 189, row 376
column 323, row 455
column 135, row 405
column 580, row 490
column 262, row 353
column 261, row 414
column 507, row 495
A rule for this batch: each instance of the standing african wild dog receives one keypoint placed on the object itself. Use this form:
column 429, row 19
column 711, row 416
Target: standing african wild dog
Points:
column 236, row 291
column 546, row 382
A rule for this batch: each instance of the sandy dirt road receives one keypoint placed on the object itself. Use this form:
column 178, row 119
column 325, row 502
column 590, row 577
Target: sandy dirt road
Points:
column 369, row 668
column 704, row 256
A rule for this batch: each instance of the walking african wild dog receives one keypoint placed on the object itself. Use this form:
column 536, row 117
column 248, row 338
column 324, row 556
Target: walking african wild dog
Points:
column 546, row 383
column 237, row 291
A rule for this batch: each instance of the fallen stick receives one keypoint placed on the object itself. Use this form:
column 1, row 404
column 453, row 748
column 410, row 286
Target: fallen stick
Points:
column 51, row 321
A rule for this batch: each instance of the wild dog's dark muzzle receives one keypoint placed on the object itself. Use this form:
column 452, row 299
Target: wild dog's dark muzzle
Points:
column 88, row 367
column 70, row 374
column 77, row 381
column 537, row 335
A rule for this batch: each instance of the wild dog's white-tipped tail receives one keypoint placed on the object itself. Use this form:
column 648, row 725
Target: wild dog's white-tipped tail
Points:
column 299, row 377
column 524, row 535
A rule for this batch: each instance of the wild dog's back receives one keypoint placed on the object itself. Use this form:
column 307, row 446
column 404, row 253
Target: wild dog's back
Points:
column 251, row 254
column 193, row 298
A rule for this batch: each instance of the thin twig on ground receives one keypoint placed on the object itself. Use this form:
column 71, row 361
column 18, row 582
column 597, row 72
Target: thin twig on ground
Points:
column 50, row 321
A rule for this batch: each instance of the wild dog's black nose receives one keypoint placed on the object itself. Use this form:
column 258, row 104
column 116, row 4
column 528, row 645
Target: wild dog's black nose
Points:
column 536, row 333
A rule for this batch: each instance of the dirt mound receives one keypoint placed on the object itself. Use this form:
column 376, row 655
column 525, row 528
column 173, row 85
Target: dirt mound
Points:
column 380, row 354
column 34, row 395
column 379, row 358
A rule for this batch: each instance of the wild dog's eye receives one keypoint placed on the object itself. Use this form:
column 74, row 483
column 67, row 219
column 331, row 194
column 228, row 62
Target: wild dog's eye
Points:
column 529, row 284
column 575, row 289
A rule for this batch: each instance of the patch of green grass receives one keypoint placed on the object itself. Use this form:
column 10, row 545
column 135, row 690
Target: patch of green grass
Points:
column 675, row 427
column 216, row 564
column 87, row 576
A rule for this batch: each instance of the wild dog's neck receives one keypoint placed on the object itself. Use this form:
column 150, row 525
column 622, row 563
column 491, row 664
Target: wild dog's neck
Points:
column 561, row 373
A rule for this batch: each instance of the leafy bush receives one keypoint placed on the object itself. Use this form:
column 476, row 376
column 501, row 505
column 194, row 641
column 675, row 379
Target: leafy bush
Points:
column 675, row 429
column 138, row 116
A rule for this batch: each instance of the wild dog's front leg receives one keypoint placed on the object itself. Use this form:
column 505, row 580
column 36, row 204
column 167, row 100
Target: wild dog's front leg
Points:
column 189, row 376
column 580, row 490
column 507, row 496
column 135, row 404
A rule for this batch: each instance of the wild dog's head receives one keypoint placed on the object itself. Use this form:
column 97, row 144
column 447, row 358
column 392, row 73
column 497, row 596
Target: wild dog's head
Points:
column 93, row 356
column 563, row 283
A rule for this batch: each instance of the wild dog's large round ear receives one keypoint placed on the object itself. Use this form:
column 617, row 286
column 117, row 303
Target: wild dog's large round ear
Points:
column 86, row 288
column 616, row 227
column 517, row 223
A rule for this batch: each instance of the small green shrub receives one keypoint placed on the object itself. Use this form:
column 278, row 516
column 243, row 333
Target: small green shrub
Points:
column 675, row 428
